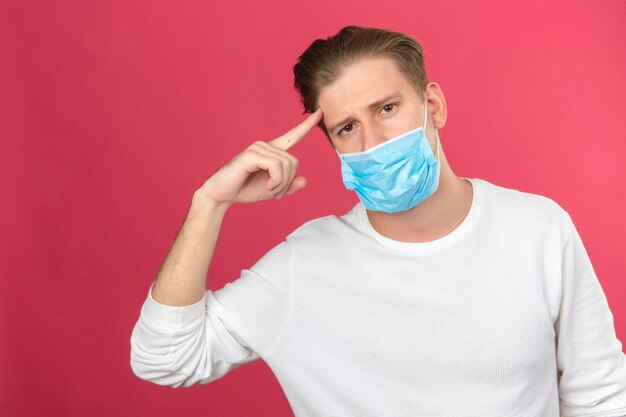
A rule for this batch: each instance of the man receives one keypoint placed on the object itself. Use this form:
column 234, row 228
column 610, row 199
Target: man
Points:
column 434, row 296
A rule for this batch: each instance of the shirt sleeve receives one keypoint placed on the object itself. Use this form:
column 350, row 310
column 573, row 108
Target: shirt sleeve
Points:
column 237, row 324
column 590, row 361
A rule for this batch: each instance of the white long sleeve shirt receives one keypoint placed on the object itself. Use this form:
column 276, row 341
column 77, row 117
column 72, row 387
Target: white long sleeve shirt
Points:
column 504, row 316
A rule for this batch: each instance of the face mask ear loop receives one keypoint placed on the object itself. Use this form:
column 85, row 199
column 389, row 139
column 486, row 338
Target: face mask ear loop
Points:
column 438, row 160
column 436, row 131
column 438, row 142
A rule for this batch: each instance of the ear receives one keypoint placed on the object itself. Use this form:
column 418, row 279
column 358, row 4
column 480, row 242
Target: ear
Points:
column 436, row 105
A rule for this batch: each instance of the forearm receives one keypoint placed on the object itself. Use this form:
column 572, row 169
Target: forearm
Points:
column 181, row 279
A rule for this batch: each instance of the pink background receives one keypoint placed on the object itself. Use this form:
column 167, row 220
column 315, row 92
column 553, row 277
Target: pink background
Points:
column 113, row 113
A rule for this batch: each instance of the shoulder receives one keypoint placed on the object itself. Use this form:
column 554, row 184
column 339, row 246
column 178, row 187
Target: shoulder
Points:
column 317, row 227
column 327, row 229
column 530, row 206
column 316, row 234
column 524, row 213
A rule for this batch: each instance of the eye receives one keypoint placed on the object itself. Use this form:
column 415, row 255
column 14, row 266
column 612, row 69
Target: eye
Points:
column 347, row 128
column 389, row 107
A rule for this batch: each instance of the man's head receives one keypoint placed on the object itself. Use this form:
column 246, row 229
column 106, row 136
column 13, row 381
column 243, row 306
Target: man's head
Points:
column 348, row 73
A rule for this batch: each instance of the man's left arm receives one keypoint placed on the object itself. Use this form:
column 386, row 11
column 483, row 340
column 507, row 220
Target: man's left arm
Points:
column 590, row 361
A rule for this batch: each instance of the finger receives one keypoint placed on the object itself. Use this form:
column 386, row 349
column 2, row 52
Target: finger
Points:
column 254, row 161
column 296, row 134
column 279, row 151
column 292, row 161
column 297, row 184
column 265, row 149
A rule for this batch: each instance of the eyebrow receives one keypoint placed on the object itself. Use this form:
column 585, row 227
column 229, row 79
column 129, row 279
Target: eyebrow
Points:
column 375, row 104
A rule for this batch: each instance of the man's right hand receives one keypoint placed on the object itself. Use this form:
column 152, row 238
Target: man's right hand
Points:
column 264, row 170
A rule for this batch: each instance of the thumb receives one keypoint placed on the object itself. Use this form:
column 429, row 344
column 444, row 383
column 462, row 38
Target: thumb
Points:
column 298, row 183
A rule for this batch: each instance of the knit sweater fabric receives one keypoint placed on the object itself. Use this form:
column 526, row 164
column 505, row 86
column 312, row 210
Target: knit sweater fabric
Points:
column 502, row 317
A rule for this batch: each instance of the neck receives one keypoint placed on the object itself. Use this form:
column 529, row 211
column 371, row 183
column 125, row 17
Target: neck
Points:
column 434, row 217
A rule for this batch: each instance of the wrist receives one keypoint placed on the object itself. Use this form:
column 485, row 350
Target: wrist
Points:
column 202, row 200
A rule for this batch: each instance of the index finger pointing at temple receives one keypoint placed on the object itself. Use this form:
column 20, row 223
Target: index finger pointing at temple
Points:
column 296, row 134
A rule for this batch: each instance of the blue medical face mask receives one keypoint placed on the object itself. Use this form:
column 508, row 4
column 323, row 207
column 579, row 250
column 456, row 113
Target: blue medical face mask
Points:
column 396, row 175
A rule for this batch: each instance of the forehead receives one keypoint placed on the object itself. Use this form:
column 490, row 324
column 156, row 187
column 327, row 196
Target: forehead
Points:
column 359, row 85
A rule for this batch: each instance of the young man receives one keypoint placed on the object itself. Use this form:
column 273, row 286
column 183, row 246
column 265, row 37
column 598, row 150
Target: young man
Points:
column 434, row 296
